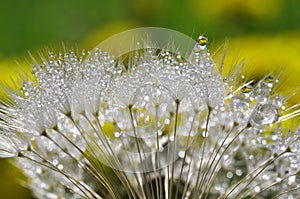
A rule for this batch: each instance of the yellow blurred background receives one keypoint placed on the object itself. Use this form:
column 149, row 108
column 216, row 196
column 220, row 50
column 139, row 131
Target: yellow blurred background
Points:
column 265, row 33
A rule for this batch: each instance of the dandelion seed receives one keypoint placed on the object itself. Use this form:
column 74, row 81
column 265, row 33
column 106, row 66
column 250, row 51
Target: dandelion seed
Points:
column 150, row 122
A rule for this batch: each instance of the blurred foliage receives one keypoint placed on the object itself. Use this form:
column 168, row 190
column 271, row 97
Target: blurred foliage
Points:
column 10, row 186
column 263, row 55
column 263, row 32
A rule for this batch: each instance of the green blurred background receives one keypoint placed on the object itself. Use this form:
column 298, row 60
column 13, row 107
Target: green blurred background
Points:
column 266, row 33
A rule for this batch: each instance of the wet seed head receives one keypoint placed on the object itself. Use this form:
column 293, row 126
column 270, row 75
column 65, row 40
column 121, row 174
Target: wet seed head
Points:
column 149, row 124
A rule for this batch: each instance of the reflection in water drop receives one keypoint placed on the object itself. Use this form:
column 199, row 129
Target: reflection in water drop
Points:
column 247, row 90
column 201, row 43
column 265, row 114
column 268, row 81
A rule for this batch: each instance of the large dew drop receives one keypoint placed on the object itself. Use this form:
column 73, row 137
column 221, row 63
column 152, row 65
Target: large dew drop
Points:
column 265, row 114
column 201, row 43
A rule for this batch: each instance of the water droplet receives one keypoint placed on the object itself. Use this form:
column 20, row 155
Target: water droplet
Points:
column 201, row 43
column 39, row 170
column 257, row 189
column 117, row 134
column 268, row 81
column 265, row 114
column 247, row 90
column 60, row 167
column 55, row 162
column 264, row 88
column 226, row 157
column 229, row 174
column 274, row 137
column 238, row 172
column 291, row 180
column 181, row 154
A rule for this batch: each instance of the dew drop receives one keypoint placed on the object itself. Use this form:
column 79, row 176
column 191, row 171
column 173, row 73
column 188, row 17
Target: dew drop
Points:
column 60, row 167
column 181, row 154
column 55, row 162
column 39, row 170
column 226, row 157
column 229, row 175
column 238, row 172
column 247, row 90
column 202, row 42
column 291, row 180
column 257, row 189
column 274, row 137
column 117, row 134
column 265, row 114
column 268, row 81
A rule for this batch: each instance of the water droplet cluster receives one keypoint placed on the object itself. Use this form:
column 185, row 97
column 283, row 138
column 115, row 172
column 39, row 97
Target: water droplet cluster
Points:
column 150, row 124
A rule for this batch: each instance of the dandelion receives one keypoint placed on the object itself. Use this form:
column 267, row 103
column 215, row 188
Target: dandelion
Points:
column 152, row 122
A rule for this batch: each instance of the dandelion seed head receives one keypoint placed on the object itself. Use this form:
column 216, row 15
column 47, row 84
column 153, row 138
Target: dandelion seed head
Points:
column 152, row 120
